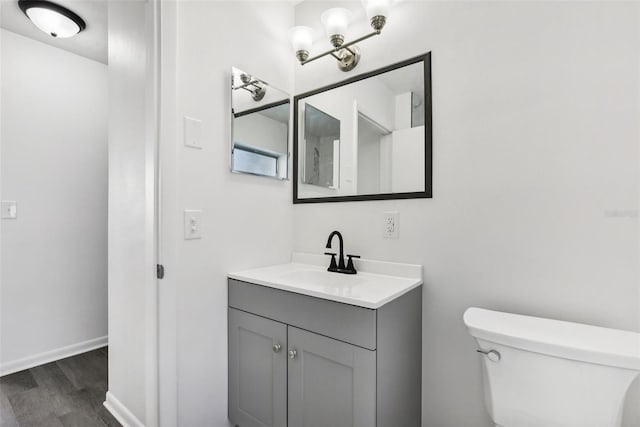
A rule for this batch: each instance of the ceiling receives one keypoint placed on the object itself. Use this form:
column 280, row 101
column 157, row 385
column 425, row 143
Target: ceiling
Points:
column 90, row 43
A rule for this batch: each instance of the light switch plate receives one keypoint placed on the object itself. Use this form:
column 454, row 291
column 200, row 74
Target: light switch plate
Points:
column 9, row 209
column 192, row 224
column 192, row 132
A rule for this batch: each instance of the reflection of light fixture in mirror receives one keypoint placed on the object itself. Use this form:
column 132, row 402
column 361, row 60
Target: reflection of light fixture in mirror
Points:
column 51, row 18
column 336, row 22
column 256, row 87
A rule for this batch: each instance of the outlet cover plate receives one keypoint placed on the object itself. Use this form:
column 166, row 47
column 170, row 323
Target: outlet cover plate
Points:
column 391, row 224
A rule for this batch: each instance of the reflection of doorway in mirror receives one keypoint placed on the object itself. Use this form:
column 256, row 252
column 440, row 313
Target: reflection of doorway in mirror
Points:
column 373, row 165
column 389, row 152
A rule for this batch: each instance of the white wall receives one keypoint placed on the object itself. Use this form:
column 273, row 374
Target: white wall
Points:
column 536, row 175
column 246, row 219
column 132, row 252
column 54, row 164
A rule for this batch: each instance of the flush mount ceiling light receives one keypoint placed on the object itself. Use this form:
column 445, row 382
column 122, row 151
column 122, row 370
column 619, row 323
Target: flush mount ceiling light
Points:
column 53, row 19
column 336, row 22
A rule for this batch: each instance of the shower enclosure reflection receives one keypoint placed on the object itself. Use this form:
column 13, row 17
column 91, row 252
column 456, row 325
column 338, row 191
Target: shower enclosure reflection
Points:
column 321, row 148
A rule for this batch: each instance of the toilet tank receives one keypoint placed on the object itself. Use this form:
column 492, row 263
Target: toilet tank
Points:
column 553, row 373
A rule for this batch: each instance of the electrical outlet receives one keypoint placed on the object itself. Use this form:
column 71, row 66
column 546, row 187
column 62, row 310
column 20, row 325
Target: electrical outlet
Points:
column 391, row 223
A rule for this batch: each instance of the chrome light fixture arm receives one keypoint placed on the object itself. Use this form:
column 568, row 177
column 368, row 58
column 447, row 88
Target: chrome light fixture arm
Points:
column 256, row 87
column 336, row 22
column 335, row 52
column 253, row 83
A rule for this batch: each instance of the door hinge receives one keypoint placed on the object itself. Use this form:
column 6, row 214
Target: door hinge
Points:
column 160, row 271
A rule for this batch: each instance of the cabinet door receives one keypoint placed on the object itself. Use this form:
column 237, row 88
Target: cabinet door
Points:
column 257, row 371
column 331, row 383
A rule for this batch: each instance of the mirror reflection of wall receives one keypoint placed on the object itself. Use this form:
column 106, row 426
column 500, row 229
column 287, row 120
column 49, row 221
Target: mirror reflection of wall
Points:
column 383, row 126
column 321, row 148
column 260, row 131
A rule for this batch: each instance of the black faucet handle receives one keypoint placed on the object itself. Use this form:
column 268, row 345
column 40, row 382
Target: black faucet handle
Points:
column 333, row 266
column 350, row 266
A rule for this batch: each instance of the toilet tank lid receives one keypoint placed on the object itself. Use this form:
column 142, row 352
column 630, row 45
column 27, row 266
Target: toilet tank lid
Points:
column 570, row 340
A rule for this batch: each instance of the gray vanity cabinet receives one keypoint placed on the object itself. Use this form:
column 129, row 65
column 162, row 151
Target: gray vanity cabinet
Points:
column 331, row 383
column 302, row 361
column 257, row 371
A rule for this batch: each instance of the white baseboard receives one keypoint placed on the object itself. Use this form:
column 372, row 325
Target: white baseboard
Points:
column 121, row 412
column 51, row 356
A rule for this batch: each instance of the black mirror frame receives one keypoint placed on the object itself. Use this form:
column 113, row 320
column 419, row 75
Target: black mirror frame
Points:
column 428, row 149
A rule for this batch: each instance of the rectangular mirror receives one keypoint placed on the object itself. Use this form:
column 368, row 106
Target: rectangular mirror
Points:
column 259, row 128
column 365, row 138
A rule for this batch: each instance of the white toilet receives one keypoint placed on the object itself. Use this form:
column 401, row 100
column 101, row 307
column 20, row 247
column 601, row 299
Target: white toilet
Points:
column 550, row 373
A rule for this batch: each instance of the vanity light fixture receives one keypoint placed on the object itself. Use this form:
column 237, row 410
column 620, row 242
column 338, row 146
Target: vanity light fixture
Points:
column 53, row 19
column 256, row 87
column 336, row 22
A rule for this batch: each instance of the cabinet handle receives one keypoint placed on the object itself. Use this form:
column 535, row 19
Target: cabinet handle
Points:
column 292, row 354
column 276, row 348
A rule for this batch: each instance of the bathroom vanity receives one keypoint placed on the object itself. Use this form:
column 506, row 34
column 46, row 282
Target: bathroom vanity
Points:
column 312, row 348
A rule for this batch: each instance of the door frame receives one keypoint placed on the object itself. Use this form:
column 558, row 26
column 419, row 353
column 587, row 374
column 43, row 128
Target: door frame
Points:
column 168, row 219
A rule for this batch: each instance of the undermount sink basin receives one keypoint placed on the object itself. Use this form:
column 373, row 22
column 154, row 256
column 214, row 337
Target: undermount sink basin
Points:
column 376, row 283
column 323, row 278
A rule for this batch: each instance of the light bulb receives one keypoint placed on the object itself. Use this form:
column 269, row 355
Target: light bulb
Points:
column 377, row 7
column 336, row 22
column 377, row 12
column 301, row 40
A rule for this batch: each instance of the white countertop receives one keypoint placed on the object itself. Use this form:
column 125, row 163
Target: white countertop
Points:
column 376, row 283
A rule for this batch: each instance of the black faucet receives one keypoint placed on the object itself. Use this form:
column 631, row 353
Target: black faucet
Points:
column 339, row 267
